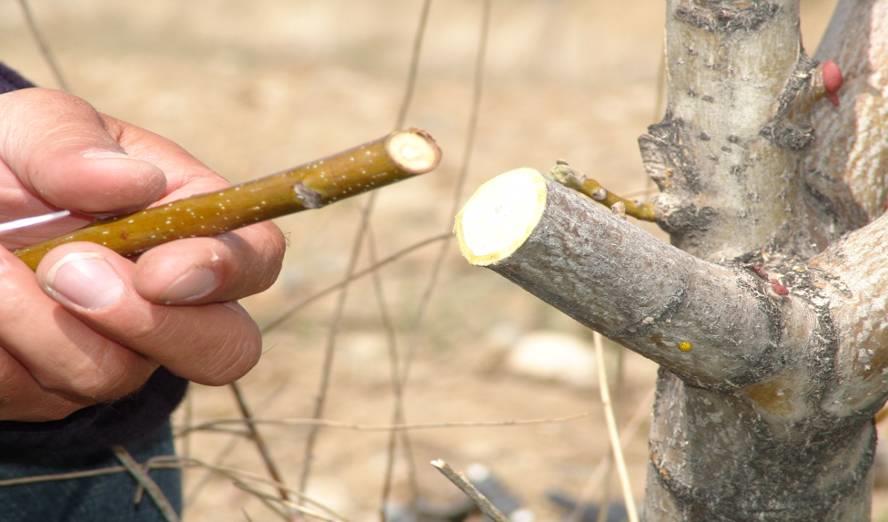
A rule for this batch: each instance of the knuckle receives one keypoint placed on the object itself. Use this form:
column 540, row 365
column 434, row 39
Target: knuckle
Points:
column 234, row 357
column 107, row 377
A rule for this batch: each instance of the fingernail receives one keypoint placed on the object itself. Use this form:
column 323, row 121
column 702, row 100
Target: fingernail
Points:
column 103, row 154
column 195, row 283
column 84, row 279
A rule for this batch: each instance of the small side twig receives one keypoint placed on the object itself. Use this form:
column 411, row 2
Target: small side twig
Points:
column 567, row 176
column 471, row 491
column 145, row 481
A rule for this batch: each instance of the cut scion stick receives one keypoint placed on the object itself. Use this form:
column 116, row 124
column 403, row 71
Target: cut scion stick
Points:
column 398, row 156
column 567, row 176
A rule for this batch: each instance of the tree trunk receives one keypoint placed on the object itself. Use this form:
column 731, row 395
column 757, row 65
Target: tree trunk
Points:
column 769, row 315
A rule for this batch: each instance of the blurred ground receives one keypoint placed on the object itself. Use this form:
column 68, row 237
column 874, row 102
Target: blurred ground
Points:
column 254, row 87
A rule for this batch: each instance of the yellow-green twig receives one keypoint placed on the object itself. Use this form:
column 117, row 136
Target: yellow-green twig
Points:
column 567, row 176
column 400, row 155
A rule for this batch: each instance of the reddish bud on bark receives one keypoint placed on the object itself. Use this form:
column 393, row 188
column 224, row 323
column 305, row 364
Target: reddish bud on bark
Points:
column 832, row 80
column 778, row 288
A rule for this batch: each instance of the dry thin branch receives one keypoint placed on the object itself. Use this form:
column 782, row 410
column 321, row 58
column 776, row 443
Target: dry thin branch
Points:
column 287, row 506
column 353, row 259
column 403, row 372
column 145, row 481
column 398, row 406
column 258, row 439
column 613, row 432
column 266, row 403
column 330, row 348
column 189, row 418
column 241, row 475
column 477, row 92
column 471, row 491
column 45, row 50
column 326, row 423
column 274, row 323
column 265, row 500
column 627, row 433
column 395, row 375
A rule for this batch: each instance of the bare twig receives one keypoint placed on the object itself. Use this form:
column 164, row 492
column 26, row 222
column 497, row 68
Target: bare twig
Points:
column 45, row 50
column 357, row 275
column 471, row 491
column 258, row 439
column 403, row 372
column 145, row 481
column 395, row 372
column 398, row 407
column 627, row 433
column 326, row 423
column 355, row 254
column 266, row 403
column 412, row 71
column 477, row 91
column 330, row 349
column 287, row 506
column 613, row 432
column 188, row 419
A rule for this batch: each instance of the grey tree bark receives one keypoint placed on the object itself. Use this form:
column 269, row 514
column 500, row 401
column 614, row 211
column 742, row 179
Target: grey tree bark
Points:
column 769, row 312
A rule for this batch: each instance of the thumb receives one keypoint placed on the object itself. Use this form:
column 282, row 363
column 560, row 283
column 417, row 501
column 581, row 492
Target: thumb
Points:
column 60, row 148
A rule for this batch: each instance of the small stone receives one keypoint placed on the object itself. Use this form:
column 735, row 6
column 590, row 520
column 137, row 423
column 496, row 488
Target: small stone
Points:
column 554, row 356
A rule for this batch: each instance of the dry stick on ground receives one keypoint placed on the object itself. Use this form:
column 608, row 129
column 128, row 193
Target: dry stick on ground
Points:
column 471, row 491
column 613, row 433
column 145, row 481
column 45, row 50
column 395, row 157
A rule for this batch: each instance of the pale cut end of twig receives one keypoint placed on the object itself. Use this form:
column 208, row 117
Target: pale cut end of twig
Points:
column 415, row 151
column 500, row 216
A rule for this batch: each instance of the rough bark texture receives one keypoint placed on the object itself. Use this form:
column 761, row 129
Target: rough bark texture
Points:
column 847, row 167
column 768, row 416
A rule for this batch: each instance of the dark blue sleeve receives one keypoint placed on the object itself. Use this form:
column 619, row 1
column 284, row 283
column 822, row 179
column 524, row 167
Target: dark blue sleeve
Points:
column 97, row 427
column 11, row 80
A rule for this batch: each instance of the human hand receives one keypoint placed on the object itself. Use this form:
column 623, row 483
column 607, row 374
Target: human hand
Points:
column 92, row 326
